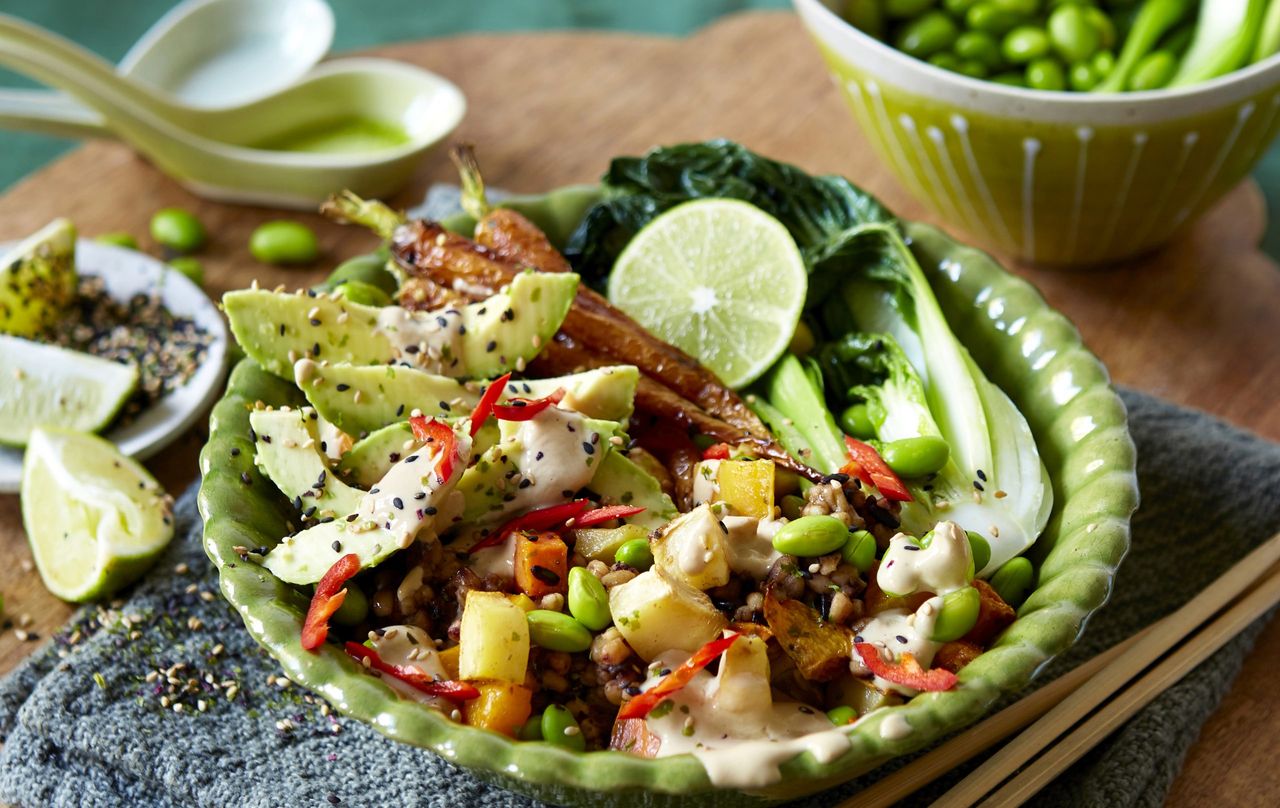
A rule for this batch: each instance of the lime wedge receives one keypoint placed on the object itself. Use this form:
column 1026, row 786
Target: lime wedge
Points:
column 45, row 384
column 96, row 520
column 38, row 279
column 718, row 278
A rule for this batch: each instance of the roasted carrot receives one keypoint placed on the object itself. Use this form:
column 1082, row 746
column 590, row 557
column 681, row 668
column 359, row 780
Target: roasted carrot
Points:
column 542, row 564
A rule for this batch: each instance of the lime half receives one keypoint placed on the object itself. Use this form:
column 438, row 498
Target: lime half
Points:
column 47, row 385
column 718, row 278
column 96, row 520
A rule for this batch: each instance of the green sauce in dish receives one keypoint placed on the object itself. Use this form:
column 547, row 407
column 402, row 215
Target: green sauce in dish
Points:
column 346, row 135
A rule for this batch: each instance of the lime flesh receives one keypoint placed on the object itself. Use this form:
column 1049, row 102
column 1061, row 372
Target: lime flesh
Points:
column 95, row 519
column 47, row 385
column 718, row 278
column 38, row 279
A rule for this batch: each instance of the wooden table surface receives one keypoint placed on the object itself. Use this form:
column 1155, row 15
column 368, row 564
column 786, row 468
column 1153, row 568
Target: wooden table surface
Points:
column 1193, row 323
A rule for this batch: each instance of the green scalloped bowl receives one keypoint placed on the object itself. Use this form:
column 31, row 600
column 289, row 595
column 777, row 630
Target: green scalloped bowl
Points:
column 1027, row 348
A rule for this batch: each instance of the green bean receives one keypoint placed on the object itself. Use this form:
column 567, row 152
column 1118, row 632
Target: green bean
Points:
column 558, row 631
column 354, row 608
column 856, row 418
column 927, row 34
column 865, row 15
column 1178, row 41
column 1046, row 74
column 588, row 600
column 979, row 46
column 957, row 615
column 366, row 294
column 842, row 715
column 986, row 16
column 178, row 230
column 1082, row 77
column 532, row 729
column 860, row 550
column 793, row 506
column 1072, row 35
column 560, row 728
column 1024, row 44
column 1153, row 21
column 1153, row 71
column 371, row 269
column 1012, row 581
column 1224, row 40
column 635, row 553
column 284, row 242
column 906, row 9
column 980, row 549
column 811, row 536
column 190, row 267
column 118, row 240
column 916, row 457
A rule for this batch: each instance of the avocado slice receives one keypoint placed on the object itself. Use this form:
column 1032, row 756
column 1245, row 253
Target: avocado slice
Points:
column 366, row 398
column 373, row 456
column 407, row 502
column 288, row 452
column 620, row 481
column 479, row 340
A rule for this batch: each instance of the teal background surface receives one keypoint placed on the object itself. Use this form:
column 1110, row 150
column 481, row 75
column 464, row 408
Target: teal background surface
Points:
column 109, row 28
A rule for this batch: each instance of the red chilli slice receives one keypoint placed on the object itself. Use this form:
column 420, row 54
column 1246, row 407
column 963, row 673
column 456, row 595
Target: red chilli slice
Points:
column 433, row 431
column 445, row 689
column 485, row 406
column 716, row 451
column 867, row 465
column 641, row 705
column 604, row 514
column 539, row 519
column 524, row 409
column 906, row 672
column 330, row 593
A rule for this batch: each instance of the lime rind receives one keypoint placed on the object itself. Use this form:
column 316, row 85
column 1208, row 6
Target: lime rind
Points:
column 720, row 279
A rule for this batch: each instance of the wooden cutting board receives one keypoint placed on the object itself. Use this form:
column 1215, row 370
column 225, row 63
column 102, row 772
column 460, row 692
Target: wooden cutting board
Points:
column 1193, row 323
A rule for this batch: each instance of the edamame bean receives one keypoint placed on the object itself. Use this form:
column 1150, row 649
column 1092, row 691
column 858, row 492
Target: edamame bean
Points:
column 1010, row 79
column 1153, row 71
column 1023, row 8
column 559, row 727
column 1024, row 44
column 1072, row 34
column 371, row 269
column 860, row 550
column 916, row 457
column 354, row 608
column 1103, row 25
column 810, row 536
column 363, row 293
column 558, row 631
column 178, row 230
column 532, row 729
column 988, row 17
column 1082, row 77
column 957, row 8
column 979, row 46
column 1012, row 581
column 946, row 61
column 957, row 615
column 191, row 267
column 927, row 35
column 792, row 506
column 118, row 240
column 588, row 600
column 1103, row 63
column 906, row 9
column 972, row 68
column 980, row 549
column 635, row 553
column 856, row 418
column 842, row 715
column 1046, row 74
column 865, row 15
column 284, row 242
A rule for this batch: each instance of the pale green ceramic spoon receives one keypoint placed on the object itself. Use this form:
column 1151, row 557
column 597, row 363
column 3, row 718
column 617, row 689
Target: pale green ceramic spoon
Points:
column 355, row 123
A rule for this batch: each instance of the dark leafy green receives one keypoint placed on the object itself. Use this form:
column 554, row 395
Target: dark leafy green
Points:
column 816, row 210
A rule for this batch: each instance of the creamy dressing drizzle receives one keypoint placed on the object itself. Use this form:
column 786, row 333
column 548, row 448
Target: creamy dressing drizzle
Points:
column 898, row 631
column 741, row 749
column 430, row 340
column 941, row 567
column 706, row 482
column 411, row 497
column 749, row 547
column 411, row 647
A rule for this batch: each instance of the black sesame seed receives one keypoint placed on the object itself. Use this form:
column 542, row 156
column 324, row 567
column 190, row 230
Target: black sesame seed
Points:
column 444, row 405
column 443, row 322
column 400, row 410
column 245, row 478
column 539, row 456
column 901, row 639
column 588, row 448
column 978, row 485
column 491, row 347
column 548, row 577
column 394, row 457
column 342, row 388
column 235, row 451
column 315, row 321
column 337, row 545
column 399, row 503
column 410, row 458
column 430, row 510
column 910, row 547
column 982, row 475
column 420, row 495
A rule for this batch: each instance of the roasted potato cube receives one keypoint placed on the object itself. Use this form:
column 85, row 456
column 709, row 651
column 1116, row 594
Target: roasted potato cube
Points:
column 658, row 613
column 494, row 638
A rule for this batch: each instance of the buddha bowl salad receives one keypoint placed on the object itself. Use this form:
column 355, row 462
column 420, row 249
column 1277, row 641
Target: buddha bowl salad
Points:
column 520, row 507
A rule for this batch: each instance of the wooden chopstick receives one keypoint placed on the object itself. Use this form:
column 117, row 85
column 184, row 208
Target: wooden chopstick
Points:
column 979, row 738
column 1071, row 748
column 1155, row 644
column 930, row 767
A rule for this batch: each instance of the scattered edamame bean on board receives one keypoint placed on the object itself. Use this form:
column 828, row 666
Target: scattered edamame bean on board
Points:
column 1102, row 46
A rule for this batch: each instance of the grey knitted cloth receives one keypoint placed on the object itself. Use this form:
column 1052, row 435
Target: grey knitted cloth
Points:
column 166, row 701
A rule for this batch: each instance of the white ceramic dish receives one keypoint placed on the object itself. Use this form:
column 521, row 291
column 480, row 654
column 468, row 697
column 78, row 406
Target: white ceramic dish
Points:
column 126, row 273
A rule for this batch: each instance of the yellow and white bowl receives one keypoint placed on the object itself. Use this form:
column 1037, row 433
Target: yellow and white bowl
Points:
column 1052, row 177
